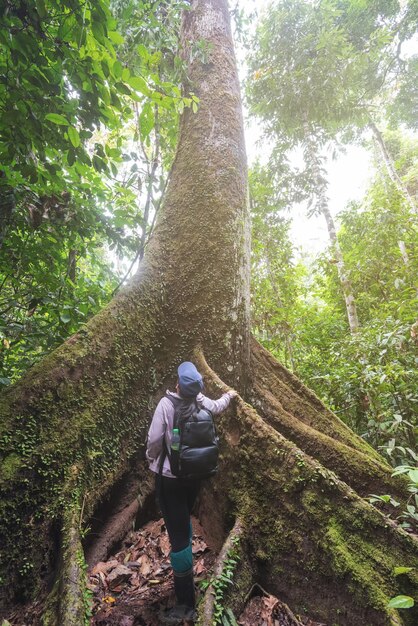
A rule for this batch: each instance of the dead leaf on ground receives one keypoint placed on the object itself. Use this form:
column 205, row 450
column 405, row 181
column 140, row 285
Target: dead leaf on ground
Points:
column 164, row 545
column 198, row 546
column 104, row 566
column 145, row 566
column 119, row 575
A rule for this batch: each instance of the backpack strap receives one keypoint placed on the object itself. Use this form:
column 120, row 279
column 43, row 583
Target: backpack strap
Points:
column 175, row 402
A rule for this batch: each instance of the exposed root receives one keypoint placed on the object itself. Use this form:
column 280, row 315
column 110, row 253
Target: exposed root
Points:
column 208, row 605
column 348, row 456
column 67, row 595
column 301, row 402
column 309, row 539
column 121, row 520
column 313, row 541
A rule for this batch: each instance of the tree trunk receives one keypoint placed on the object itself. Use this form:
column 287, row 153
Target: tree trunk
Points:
column 350, row 303
column 391, row 170
column 322, row 207
column 292, row 475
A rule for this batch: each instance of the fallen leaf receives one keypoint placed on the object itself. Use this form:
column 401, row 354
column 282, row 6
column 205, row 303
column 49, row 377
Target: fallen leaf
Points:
column 104, row 566
column 140, row 543
column 156, row 529
column 109, row 600
column 199, row 567
column 119, row 575
column 198, row 546
column 145, row 565
column 164, row 545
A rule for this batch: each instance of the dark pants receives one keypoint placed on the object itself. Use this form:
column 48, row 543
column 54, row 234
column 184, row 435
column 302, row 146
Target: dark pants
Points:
column 176, row 498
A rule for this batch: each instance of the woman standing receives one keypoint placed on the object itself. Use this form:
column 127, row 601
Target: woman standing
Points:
column 176, row 496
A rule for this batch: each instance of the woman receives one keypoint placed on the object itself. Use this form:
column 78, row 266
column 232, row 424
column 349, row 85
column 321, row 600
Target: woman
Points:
column 176, row 496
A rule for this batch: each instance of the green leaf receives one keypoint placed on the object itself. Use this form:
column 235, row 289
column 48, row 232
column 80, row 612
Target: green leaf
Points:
column 413, row 475
column 71, row 158
column 122, row 88
column 40, row 5
column 142, row 51
column 401, row 602
column 115, row 37
column 402, row 570
column 117, row 69
column 65, row 318
column 146, row 120
column 57, row 118
column 74, row 136
column 139, row 84
column 98, row 32
column 231, row 617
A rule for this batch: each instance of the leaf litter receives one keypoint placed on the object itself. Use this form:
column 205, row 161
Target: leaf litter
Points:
column 135, row 585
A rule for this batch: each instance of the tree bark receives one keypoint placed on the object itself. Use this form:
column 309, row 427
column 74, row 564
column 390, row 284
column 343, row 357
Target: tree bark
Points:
column 391, row 170
column 350, row 303
column 290, row 470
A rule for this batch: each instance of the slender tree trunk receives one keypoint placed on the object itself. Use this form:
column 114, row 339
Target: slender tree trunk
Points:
column 404, row 252
column 72, row 265
column 390, row 167
column 350, row 303
column 292, row 477
column 322, row 207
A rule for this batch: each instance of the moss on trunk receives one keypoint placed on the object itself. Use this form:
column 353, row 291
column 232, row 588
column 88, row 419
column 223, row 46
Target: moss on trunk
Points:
column 311, row 539
column 69, row 428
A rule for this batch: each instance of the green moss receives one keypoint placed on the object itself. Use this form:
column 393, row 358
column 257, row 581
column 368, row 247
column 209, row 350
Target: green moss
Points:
column 68, row 429
column 10, row 466
column 355, row 560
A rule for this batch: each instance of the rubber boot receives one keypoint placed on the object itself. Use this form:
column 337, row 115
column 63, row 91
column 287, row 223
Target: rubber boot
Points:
column 184, row 589
column 184, row 610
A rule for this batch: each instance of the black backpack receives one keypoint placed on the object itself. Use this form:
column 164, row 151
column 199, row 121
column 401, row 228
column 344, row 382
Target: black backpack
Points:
column 197, row 451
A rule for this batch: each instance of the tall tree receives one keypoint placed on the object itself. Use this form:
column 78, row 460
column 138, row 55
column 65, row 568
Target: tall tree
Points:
column 325, row 72
column 341, row 64
column 73, row 423
column 320, row 202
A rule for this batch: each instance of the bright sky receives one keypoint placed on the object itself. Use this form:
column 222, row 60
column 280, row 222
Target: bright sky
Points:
column 348, row 175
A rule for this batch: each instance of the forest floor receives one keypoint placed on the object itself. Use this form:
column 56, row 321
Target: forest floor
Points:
column 135, row 585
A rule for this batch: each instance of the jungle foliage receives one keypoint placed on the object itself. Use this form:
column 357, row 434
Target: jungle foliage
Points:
column 89, row 103
column 345, row 74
